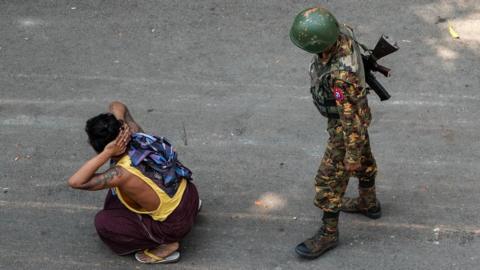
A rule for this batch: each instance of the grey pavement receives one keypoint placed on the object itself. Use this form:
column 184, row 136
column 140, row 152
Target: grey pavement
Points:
column 222, row 80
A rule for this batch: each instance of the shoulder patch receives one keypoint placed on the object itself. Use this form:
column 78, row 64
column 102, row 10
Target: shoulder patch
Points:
column 338, row 93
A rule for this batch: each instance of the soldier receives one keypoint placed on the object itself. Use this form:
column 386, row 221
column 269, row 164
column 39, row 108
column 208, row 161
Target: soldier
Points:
column 339, row 92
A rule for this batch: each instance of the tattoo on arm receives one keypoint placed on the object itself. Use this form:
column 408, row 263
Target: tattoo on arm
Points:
column 102, row 180
column 105, row 178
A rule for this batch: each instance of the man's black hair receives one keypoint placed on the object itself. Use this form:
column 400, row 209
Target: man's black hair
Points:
column 101, row 130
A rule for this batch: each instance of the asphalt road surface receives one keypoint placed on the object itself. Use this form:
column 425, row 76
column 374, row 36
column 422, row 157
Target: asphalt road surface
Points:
column 222, row 80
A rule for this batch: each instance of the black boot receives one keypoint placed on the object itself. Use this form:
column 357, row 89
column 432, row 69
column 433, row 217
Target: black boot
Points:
column 366, row 203
column 325, row 239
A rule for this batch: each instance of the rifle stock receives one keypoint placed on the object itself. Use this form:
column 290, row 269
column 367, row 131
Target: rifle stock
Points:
column 384, row 47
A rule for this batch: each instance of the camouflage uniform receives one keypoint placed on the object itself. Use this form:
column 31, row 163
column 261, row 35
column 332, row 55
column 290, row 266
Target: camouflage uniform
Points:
column 339, row 92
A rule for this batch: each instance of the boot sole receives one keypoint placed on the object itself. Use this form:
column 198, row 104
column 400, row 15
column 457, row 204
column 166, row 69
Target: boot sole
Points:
column 314, row 255
column 376, row 215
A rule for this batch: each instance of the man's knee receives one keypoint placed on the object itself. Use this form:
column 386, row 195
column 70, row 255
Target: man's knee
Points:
column 101, row 222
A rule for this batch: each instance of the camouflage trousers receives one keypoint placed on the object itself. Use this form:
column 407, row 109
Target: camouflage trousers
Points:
column 332, row 178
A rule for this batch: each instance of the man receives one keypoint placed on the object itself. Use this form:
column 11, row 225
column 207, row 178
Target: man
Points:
column 340, row 94
column 151, row 203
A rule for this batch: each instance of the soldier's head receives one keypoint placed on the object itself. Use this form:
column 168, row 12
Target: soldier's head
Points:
column 101, row 130
column 315, row 30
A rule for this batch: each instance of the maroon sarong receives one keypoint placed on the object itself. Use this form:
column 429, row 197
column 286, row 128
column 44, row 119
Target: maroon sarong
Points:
column 125, row 231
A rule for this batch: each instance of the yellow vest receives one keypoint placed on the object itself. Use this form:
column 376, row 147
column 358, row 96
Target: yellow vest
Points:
column 167, row 204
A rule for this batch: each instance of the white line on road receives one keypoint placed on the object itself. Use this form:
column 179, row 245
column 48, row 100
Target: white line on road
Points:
column 431, row 101
column 257, row 216
column 184, row 81
column 76, row 101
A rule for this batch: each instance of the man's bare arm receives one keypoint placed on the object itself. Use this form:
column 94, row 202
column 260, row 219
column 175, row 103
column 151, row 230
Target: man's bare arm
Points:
column 112, row 177
column 121, row 112
column 86, row 178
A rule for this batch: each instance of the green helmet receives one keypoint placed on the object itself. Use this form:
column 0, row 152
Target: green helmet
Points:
column 314, row 30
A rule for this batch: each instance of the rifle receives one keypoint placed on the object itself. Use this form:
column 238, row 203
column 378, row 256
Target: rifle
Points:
column 384, row 47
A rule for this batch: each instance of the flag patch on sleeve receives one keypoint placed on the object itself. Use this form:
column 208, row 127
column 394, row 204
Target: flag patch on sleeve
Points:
column 338, row 93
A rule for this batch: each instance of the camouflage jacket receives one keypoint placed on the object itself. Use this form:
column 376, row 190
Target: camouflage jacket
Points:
column 338, row 88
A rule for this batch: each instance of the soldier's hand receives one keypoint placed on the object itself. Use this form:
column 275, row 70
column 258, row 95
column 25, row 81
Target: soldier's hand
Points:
column 352, row 167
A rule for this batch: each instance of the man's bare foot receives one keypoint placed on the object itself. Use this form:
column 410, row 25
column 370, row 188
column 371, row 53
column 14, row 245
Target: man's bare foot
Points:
column 161, row 251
